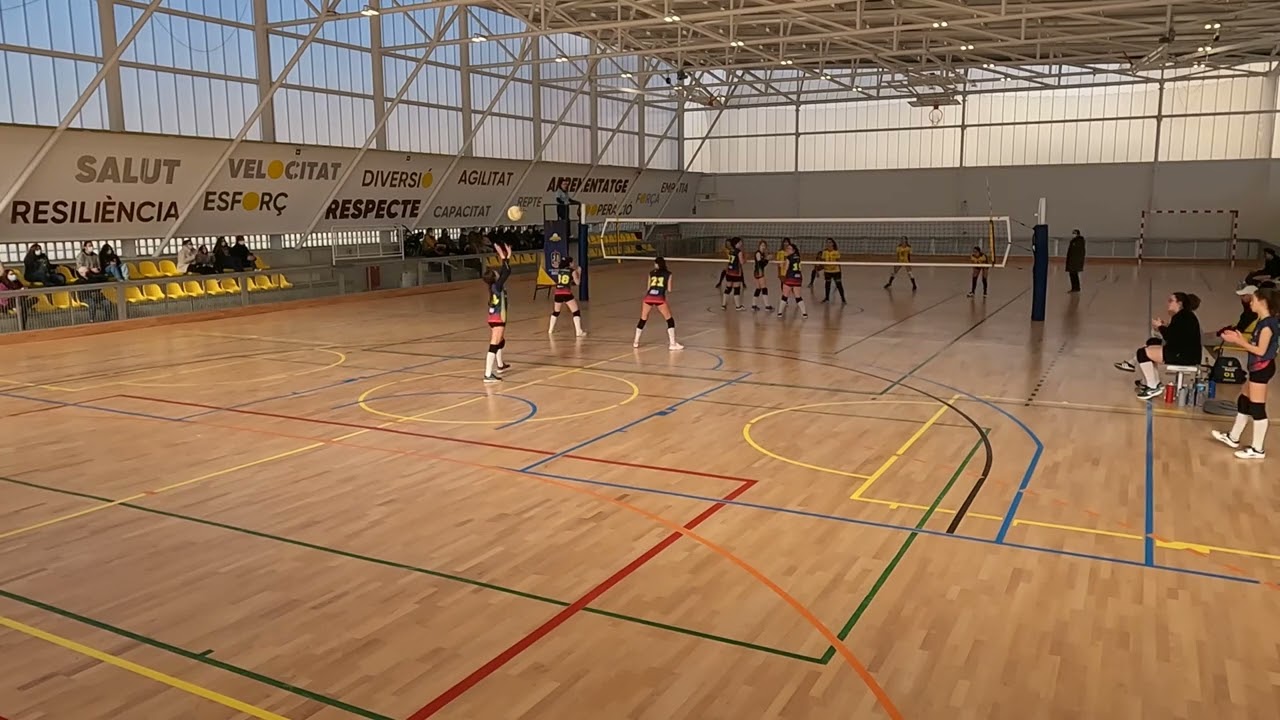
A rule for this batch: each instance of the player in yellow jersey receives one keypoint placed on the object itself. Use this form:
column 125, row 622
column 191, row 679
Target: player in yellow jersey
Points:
column 981, row 264
column 904, row 261
column 781, row 257
column 830, row 255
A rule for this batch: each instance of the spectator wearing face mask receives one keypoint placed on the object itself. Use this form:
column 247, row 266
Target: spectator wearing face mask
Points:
column 9, row 281
column 241, row 258
column 111, row 264
column 186, row 256
column 38, row 269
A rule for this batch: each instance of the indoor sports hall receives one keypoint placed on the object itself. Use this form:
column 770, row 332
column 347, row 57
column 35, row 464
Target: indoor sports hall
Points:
column 661, row 359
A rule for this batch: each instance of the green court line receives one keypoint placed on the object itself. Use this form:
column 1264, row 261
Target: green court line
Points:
column 198, row 657
column 897, row 558
column 422, row 571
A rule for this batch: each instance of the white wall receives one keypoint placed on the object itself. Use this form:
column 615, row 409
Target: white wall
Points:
column 1104, row 201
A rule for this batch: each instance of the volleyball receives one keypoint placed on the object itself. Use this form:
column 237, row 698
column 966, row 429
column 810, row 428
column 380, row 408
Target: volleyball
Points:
column 515, row 213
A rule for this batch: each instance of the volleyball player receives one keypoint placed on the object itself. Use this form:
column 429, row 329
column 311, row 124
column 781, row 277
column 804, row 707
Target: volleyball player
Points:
column 781, row 257
column 497, row 282
column 1261, row 346
column 733, row 275
column 656, row 296
column 904, row 261
column 792, row 279
column 813, row 273
column 566, row 276
column 762, row 288
column 831, row 271
column 981, row 263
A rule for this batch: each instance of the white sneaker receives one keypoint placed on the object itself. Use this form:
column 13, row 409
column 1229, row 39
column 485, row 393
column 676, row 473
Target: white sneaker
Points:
column 675, row 346
column 492, row 379
column 1225, row 439
column 582, row 333
column 1126, row 366
column 1251, row 454
column 635, row 344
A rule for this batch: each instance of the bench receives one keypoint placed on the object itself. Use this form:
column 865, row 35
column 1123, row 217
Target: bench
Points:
column 1182, row 373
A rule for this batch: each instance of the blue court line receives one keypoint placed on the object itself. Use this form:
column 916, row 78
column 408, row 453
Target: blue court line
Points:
column 1031, row 466
column 1148, row 535
column 657, row 413
column 533, row 408
column 891, row 526
column 85, row 404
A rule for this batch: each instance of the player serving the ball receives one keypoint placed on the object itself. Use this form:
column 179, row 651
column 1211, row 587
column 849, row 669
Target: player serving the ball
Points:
column 497, row 282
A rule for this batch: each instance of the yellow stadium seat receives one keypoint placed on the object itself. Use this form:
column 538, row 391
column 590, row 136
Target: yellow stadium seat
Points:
column 211, row 287
column 43, row 304
column 174, row 291
column 133, row 270
column 66, row 272
column 257, row 263
column 264, row 283
column 111, row 295
column 21, row 277
column 492, row 261
column 192, row 289
column 148, row 269
column 153, row 292
column 64, row 301
column 230, row 285
column 133, row 295
column 283, row 282
column 168, row 269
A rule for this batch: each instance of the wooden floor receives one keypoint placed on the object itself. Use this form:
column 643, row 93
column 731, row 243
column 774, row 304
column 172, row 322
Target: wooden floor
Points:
column 915, row 506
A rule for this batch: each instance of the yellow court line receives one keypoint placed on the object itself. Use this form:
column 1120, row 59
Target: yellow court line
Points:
column 746, row 434
column 364, row 404
column 1168, row 544
column 1131, row 410
column 142, row 670
column 139, row 496
column 266, row 338
column 20, row 383
column 919, row 433
column 408, row 418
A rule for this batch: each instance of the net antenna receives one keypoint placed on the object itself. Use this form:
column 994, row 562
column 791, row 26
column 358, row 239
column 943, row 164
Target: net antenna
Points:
column 934, row 241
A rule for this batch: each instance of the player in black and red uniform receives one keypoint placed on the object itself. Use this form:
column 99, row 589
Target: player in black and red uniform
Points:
column 565, row 277
column 497, row 282
column 656, row 297
column 733, row 274
column 792, row 279
column 762, row 287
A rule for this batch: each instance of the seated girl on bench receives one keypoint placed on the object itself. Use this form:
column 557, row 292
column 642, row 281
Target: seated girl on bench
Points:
column 1178, row 344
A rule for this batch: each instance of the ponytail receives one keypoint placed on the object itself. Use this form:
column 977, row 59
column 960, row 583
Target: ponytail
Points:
column 1190, row 301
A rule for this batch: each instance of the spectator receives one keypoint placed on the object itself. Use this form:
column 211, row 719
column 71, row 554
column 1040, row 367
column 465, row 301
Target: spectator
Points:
column 87, row 261
column 38, row 269
column 1075, row 259
column 9, row 281
column 1270, row 269
column 241, row 258
column 222, row 256
column 111, row 264
column 203, row 262
column 186, row 256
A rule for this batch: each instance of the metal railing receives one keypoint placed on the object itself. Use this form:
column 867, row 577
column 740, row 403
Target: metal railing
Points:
column 80, row 303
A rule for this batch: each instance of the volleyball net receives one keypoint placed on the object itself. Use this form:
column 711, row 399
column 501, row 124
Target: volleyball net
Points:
column 937, row 241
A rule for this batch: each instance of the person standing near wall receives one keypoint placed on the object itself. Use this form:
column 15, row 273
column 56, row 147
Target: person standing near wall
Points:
column 1075, row 259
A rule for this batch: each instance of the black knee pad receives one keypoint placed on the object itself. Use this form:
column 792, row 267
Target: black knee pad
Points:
column 764, row 291
column 494, row 348
column 640, row 325
column 757, row 293
column 737, row 291
column 555, row 313
column 577, row 313
column 671, row 322
column 1258, row 411
column 1243, row 405
column 1142, row 357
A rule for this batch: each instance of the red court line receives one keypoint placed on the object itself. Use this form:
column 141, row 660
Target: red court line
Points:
column 445, row 438
column 462, row 686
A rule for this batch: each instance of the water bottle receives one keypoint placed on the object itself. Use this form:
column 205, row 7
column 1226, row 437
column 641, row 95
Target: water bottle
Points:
column 1170, row 394
column 1213, row 389
column 1202, row 390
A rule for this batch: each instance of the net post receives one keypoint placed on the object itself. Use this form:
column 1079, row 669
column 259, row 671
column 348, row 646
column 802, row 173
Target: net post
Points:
column 1039, row 265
